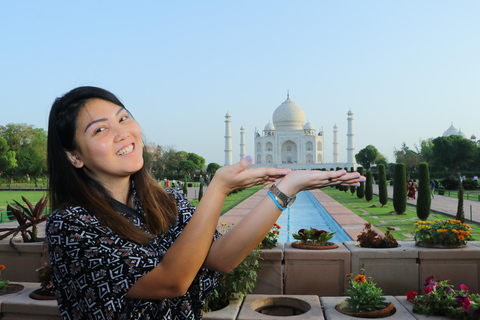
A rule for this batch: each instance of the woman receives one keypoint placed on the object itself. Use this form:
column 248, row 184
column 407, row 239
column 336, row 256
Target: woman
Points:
column 122, row 247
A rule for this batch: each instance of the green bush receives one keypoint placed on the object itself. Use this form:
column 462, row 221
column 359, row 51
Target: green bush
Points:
column 382, row 185
column 368, row 186
column 424, row 198
column 469, row 184
column 450, row 183
column 400, row 189
column 361, row 188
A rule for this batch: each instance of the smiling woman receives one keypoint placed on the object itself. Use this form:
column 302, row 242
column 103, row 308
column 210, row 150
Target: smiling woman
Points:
column 121, row 246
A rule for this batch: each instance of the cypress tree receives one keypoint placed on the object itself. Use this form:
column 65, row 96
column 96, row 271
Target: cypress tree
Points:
column 424, row 198
column 382, row 185
column 460, row 212
column 352, row 188
column 200, row 192
column 368, row 186
column 361, row 188
column 400, row 189
column 185, row 190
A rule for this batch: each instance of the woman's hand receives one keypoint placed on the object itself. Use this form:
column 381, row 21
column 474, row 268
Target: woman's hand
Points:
column 299, row 180
column 237, row 176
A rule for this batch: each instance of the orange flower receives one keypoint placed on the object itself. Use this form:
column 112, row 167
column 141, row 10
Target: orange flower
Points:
column 2, row 267
column 360, row 278
column 278, row 226
column 275, row 231
column 349, row 275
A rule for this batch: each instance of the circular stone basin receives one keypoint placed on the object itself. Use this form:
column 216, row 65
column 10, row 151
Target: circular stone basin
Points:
column 281, row 306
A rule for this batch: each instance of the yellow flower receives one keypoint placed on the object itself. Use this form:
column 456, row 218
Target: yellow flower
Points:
column 349, row 275
column 223, row 223
column 436, row 220
column 429, row 222
column 440, row 230
column 460, row 237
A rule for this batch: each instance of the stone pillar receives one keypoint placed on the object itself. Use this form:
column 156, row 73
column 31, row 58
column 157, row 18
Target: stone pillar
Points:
column 350, row 142
column 242, row 143
column 335, row 144
column 228, row 140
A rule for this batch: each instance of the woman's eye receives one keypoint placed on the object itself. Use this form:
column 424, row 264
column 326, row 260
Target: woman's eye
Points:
column 99, row 130
column 123, row 118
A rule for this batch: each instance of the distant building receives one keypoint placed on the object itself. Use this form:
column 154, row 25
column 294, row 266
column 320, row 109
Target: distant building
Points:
column 289, row 142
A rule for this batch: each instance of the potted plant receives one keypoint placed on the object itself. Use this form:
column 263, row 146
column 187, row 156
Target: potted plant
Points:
column 28, row 217
column 313, row 239
column 447, row 233
column 45, row 292
column 371, row 239
column 233, row 286
column 441, row 299
column 364, row 300
column 271, row 239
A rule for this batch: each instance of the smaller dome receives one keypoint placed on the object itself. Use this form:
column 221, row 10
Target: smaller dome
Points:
column 227, row 115
column 450, row 131
column 269, row 127
column 242, row 128
column 473, row 137
column 308, row 126
column 460, row 133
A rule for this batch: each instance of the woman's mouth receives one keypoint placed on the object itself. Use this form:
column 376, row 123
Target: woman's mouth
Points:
column 125, row 150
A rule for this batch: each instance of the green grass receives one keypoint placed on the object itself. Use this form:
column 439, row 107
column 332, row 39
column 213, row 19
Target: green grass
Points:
column 383, row 217
column 8, row 195
column 468, row 195
column 234, row 198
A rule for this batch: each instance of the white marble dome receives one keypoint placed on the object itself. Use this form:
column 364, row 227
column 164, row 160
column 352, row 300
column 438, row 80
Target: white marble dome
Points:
column 269, row 127
column 450, row 131
column 308, row 126
column 288, row 116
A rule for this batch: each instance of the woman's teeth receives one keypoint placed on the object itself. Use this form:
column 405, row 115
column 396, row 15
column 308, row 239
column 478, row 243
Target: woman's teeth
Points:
column 125, row 150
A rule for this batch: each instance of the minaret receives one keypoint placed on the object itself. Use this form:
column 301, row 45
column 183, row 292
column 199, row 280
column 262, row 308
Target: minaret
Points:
column 242, row 143
column 350, row 142
column 228, row 140
column 335, row 144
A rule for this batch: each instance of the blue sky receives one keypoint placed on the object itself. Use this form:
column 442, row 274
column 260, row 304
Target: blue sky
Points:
column 406, row 69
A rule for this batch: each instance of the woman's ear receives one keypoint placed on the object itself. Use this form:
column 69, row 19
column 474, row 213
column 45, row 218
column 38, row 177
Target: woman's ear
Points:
column 73, row 158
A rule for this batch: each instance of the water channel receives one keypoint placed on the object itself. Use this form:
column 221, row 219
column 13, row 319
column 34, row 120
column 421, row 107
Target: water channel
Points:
column 307, row 212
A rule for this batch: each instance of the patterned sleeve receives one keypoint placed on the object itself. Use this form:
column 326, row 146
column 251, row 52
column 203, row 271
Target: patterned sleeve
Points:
column 92, row 267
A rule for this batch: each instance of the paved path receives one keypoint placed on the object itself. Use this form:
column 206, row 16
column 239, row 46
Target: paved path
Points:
column 444, row 204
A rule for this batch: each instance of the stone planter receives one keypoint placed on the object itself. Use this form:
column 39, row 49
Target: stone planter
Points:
column 27, row 286
column 329, row 303
column 409, row 306
column 270, row 277
column 22, row 267
column 395, row 270
column 230, row 312
column 21, row 306
column 318, row 272
column 459, row 266
column 258, row 307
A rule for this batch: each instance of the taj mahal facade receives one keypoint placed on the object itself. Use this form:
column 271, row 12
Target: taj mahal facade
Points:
column 289, row 142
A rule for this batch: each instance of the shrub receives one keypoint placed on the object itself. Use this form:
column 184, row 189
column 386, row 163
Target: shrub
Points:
column 424, row 198
column 361, row 188
column 470, row 184
column 368, row 186
column 400, row 189
column 382, row 185
column 460, row 212
column 442, row 232
column 450, row 183
column 370, row 239
column 200, row 192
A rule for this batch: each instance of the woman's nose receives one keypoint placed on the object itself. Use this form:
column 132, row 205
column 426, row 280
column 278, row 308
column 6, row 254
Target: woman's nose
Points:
column 120, row 135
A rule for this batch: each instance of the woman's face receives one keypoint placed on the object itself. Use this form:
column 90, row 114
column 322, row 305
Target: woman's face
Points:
column 108, row 140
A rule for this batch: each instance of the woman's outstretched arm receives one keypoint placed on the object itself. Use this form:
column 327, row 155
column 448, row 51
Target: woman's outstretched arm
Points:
column 173, row 276
column 229, row 250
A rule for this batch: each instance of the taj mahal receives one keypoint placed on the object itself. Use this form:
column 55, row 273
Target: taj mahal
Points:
column 290, row 142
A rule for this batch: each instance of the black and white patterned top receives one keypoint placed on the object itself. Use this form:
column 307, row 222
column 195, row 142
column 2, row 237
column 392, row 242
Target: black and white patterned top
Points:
column 93, row 267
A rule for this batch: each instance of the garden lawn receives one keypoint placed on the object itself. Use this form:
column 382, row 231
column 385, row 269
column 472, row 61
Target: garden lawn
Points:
column 234, row 198
column 383, row 217
column 8, row 195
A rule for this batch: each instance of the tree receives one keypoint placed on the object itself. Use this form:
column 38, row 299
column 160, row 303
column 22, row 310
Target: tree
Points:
column 200, row 192
column 361, row 188
column 368, row 186
column 197, row 160
column 32, row 158
column 7, row 156
column 380, row 159
column 460, row 213
column 382, row 185
column 212, row 168
column 17, row 135
column 352, row 188
column 187, row 166
column 367, row 156
column 424, row 198
column 409, row 157
column 453, row 151
column 400, row 189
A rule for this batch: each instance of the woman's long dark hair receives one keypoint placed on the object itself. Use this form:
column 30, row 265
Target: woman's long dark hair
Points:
column 71, row 186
